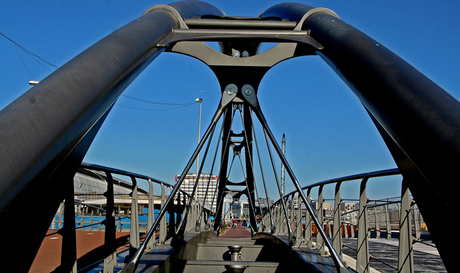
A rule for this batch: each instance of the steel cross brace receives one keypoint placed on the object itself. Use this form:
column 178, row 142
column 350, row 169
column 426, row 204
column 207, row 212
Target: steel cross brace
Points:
column 251, row 98
column 227, row 96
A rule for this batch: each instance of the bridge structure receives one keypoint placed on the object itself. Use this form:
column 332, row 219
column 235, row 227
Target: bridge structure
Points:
column 47, row 131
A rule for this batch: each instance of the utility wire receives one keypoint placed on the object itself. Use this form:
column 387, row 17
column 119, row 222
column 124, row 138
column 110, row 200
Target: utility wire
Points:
column 42, row 62
column 179, row 105
column 31, row 54
column 22, row 61
column 161, row 103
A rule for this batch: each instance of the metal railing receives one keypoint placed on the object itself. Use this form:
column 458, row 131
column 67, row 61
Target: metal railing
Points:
column 363, row 220
column 107, row 221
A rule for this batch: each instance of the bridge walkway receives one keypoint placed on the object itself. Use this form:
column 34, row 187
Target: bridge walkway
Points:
column 384, row 253
column 236, row 232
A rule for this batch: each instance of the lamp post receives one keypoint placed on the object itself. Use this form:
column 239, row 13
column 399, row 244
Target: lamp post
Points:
column 199, row 128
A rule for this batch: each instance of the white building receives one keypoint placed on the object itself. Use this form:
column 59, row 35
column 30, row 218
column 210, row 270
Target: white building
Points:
column 189, row 183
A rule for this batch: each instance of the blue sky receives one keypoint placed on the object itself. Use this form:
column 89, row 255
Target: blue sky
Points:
column 327, row 130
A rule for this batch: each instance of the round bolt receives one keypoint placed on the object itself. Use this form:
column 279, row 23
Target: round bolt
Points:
column 231, row 89
column 236, row 54
column 248, row 92
column 245, row 54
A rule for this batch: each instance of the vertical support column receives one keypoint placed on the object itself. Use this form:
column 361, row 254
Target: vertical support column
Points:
column 69, row 239
column 362, row 256
column 110, row 261
column 337, row 225
column 134, row 226
column 150, row 213
column 320, row 239
column 405, row 256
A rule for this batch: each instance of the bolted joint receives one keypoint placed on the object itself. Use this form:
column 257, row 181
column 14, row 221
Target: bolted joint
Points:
column 249, row 94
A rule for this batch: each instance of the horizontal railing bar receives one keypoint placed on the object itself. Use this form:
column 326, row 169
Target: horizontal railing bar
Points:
column 381, row 173
column 130, row 174
column 121, row 172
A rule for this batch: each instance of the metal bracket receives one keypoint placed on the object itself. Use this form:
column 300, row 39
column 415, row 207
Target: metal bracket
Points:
column 171, row 10
column 314, row 11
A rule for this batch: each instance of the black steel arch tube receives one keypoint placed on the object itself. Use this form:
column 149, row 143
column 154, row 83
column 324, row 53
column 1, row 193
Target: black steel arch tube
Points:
column 420, row 118
column 43, row 130
column 41, row 127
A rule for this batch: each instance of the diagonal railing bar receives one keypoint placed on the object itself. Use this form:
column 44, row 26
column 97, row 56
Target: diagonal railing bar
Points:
column 185, row 218
column 263, row 177
column 133, row 263
column 222, row 194
column 247, row 190
column 221, row 163
column 283, row 203
column 209, row 180
column 262, row 120
column 252, row 204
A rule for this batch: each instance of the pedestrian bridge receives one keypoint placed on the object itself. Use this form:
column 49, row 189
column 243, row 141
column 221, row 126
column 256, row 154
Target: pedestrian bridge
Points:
column 47, row 131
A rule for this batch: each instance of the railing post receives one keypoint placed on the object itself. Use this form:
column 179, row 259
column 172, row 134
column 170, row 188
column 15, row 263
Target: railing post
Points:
column 134, row 227
column 292, row 214
column 345, row 229
column 362, row 255
column 377, row 221
column 162, row 237
column 179, row 212
column 308, row 227
column 299, row 229
column 405, row 257
column 99, row 226
column 69, row 239
column 337, row 225
column 416, row 223
column 172, row 222
column 387, row 219
column 280, row 222
column 110, row 260
column 320, row 215
column 276, row 219
column 150, row 213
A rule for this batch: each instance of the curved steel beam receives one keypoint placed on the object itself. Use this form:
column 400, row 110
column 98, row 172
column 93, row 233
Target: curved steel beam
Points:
column 419, row 121
column 42, row 128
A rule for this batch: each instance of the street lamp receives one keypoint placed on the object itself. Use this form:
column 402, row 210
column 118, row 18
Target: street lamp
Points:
column 199, row 128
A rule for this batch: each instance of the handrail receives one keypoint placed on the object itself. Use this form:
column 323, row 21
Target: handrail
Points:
column 134, row 237
column 363, row 224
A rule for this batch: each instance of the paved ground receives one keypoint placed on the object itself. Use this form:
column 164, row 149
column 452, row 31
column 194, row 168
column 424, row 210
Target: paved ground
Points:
column 385, row 255
column 49, row 256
